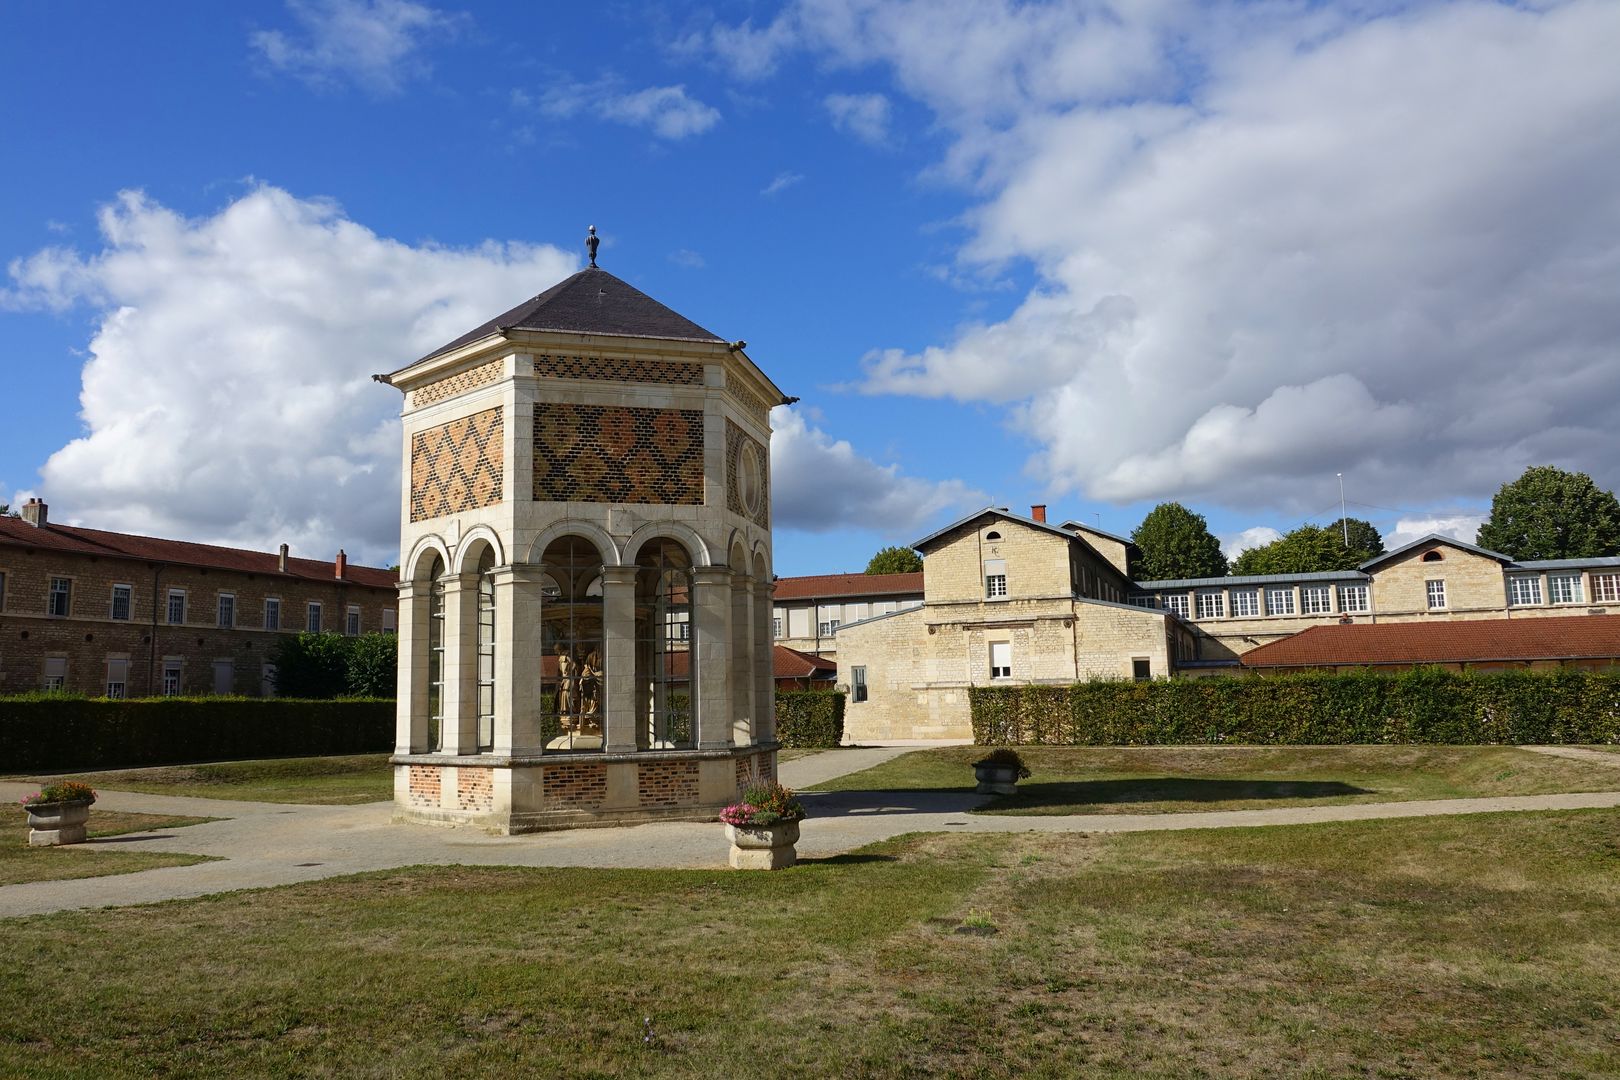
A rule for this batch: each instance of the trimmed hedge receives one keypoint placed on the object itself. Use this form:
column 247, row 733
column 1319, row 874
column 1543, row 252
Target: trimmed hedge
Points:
column 810, row 718
column 1423, row 705
column 40, row 732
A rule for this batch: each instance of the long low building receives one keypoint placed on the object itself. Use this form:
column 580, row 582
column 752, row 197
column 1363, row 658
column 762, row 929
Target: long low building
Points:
column 1579, row 641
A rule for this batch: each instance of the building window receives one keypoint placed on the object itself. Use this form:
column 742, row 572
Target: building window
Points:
column 2, row 592
column 682, row 631
column 1280, row 601
column 1436, row 589
column 171, row 678
column 227, row 610
column 1353, row 598
column 1605, row 587
column 60, row 597
column 224, row 676
column 1211, row 605
column 55, row 673
column 1524, row 589
column 121, row 595
column 272, row 613
column 1001, row 659
column 351, row 621
column 828, row 628
column 312, row 617
column 1432, row 556
column 1142, row 600
column 776, row 626
column 1245, row 602
column 1316, row 599
column 857, row 684
column 1564, row 588
column 388, row 625
column 1176, row 604
column 117, row 677
column 1141, row 668
column 995, row 578
column 177, row 606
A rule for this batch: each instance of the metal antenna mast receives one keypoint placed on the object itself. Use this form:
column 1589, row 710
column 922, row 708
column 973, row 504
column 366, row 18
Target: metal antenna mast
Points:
column 1344, row 522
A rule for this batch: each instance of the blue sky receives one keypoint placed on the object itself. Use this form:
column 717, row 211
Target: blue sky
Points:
column 1086, row 254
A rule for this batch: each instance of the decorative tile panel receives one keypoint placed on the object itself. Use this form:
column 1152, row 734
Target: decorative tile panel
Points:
column 617, row 454
column 457, row 466
column 618, row 370
column 452, row 385
column 748, row 476
column 748, row 401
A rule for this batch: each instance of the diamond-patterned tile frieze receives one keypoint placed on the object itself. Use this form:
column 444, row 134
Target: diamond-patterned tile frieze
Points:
column 622, row 454
column 457, row 466
column 616, row 369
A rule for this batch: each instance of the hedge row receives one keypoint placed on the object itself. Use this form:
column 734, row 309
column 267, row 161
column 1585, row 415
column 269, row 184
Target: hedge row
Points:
column 1423, row 705
column 810, row 718
column 40, row 732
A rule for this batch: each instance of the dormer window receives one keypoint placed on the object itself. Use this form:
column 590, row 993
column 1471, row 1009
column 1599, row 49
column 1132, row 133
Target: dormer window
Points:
column 1432, row 556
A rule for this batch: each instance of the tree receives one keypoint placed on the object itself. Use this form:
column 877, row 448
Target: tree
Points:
column 1311, row 549
column 895, row 560
column 329, row 665
column 1548, row 513
column 1176, row 543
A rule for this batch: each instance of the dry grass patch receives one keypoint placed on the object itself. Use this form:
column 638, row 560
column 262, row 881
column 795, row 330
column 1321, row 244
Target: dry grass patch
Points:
column 20, row 863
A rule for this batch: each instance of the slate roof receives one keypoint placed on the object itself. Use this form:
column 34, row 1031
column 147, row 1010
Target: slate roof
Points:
column 825, row 586
column 1561, row 637
column 1251, row 579
column 77, row 541
column 592, row 301
column 1000, row 512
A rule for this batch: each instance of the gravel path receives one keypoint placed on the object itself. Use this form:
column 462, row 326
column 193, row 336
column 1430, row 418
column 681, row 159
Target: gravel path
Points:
column 267, row 844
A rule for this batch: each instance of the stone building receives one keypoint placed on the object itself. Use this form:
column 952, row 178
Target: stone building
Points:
column 809, row 610
column 585, row 631
column 112, row 614
column 1012, row 599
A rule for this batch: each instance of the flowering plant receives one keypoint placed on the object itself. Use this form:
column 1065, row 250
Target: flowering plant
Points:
column 768, row 803
column 61, row 791
column 1006, row 757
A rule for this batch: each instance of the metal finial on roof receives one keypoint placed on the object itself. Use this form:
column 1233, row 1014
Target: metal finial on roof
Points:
column 590, row 244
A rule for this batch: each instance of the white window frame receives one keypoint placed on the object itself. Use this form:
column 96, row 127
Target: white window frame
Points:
column 168, row 609
column 1565, row 588
column 117, row 677
column 1280, row 600
column 174, row 683
column 1001, row 650
column 828, row 627
column 1354, row 599
column 312, row 616
column 272, row 613
column 1211, row 604
column 1177, row 604
column 128, row 596
column 64, row 594
column 1245, row 603
column 1524, row 590
column 1605, row 588
column 225, row 607
column 351, row 621
column 389, row 625
column 1315, row 599
column 53, row 673
column 1434, row 590
column 776, row 627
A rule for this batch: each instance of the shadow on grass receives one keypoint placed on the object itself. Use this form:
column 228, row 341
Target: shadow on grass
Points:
column 1169, row 789
column 845, row 860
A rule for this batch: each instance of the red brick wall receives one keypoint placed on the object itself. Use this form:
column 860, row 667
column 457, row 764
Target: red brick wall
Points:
column 423, row 783
column 475, row 789
column 668, row 783
column 574, row 787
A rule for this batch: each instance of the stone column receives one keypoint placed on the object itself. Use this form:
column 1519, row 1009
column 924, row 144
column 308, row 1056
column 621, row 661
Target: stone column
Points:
column 517, row 660
column 620, row 725
column 741, row 662
column 764, row 590
column 460, row 663
column 411, row 708
column 711, row 644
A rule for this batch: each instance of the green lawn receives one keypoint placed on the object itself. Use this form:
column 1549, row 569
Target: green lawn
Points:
column 20, row 863
column 358, row 778
column 1085, row 780
column 1480, row 946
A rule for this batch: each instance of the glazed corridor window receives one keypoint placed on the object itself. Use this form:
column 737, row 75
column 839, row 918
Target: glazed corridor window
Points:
column 1353, row 598
column 1523, row 590
column 1176, row 603
column 177, row 606
column 1564, row 588
column 1436, row 590
column 1605, row 587
column 1245, row 602
column 1316, row 599
column 1211, row 605
column 857, row 684
column 60, row 596
column 995, row 578
column 121, row 595
column 572, row 672
column 1279, row 601
column 1001, row 659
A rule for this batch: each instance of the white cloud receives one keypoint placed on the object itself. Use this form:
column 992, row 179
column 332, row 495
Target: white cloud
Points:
column 1234, row 544
column 228, row 395
column 1274, row 242
column 1464, row 527
column 781, row 182
column 822, row 484
column 375, row 44
column 865, row 116
column 667, row 111
column 690, row 260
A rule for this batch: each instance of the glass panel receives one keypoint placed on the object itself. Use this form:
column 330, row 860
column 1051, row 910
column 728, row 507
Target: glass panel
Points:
column 486, row 653
column 571, row 668
column 663, row 658
column 435, row 739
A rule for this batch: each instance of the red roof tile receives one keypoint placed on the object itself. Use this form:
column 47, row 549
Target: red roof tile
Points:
column 71, row 538
column 1564, row 637
column 793, row 664
column 825, row 586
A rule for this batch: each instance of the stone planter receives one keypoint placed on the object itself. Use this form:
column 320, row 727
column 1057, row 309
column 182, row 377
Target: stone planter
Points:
column 763, row 847
column 51, row 824
column 996, row 779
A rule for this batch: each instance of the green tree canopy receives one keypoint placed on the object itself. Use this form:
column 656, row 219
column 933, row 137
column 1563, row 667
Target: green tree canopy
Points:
column 328, row 665
column 1548, row 513
column 1313, row 548
column 895, row 560
column 1176, row 543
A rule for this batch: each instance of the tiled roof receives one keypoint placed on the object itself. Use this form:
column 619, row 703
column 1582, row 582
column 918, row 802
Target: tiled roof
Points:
column 592, row 301
column 793, row 664
column 1560, row 637
column 71, row 538
column 825, row 586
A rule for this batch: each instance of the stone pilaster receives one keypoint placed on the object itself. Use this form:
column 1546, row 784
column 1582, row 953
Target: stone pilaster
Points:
column 620, row 724
column 711, row 640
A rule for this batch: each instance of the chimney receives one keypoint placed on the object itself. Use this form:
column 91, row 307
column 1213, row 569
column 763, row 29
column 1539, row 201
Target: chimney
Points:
column 281, row 562
column 1038, row 512
column 342, row 565
column 34, row 512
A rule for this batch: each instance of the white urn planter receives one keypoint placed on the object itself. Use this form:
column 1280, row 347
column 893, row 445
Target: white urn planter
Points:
column 55, row 823
column 763, row 847
column 996, row 779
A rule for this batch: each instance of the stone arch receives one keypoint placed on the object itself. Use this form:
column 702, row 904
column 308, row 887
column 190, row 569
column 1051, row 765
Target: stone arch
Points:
column 605, row 546
column 471, row 547
column 417, row 564
column 684, row 535
column 762, row 562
